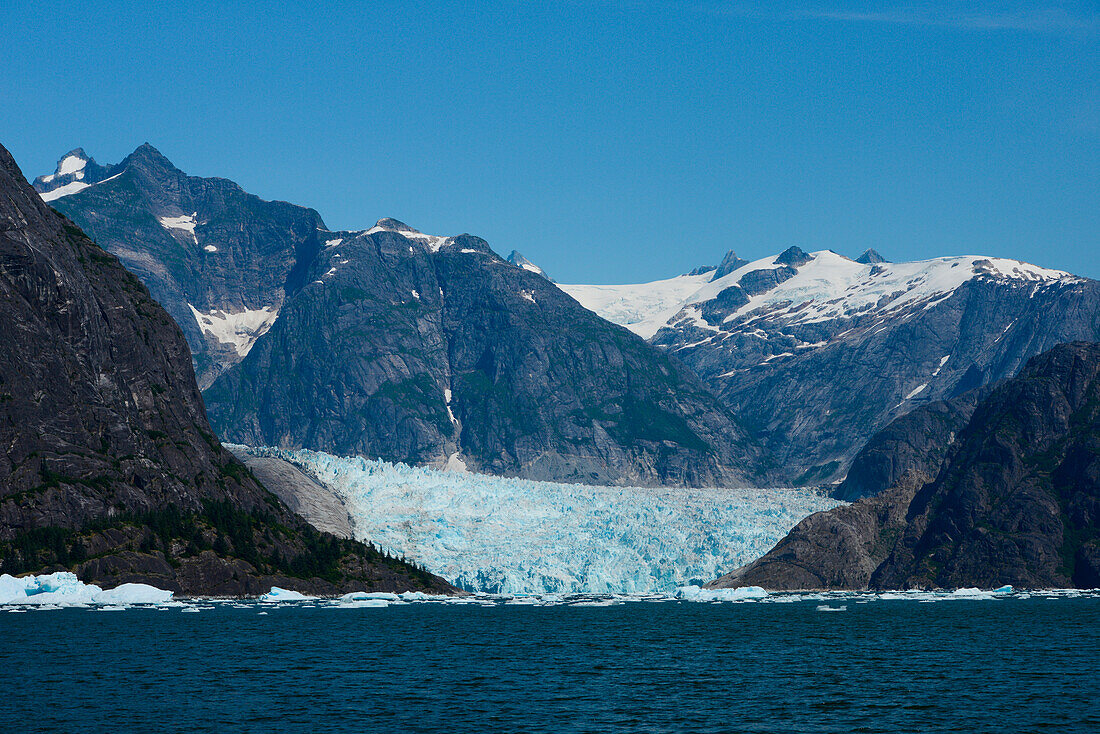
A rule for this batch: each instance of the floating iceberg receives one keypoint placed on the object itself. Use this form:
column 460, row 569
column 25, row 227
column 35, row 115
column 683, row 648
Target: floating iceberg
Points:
column 277, row 594
column 695, row 593
column 516, row 536
column 65, row 589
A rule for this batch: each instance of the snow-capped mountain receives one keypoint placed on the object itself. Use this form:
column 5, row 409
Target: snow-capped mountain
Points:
column 433, row 350
column 394, row 343
column 219, row 259
column 75, row 171
column 817, row 351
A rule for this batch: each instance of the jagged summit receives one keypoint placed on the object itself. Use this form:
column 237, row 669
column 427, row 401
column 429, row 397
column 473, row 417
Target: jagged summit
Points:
column 517, row 259
column 75, row 171
column 871, row 257
column 729, row 263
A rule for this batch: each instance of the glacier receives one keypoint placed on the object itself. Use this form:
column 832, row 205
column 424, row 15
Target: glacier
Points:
column 517, row 536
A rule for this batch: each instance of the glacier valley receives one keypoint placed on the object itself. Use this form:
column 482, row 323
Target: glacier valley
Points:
column 517, row 536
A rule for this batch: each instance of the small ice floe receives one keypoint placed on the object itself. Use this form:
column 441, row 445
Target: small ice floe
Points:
column 827, row 608
column 193, row 610
column 261, row 614
column 113, row 608
column 277, row 594
column 1006, row 589
column 745, row 593
column 972, row 593
column 366, row 600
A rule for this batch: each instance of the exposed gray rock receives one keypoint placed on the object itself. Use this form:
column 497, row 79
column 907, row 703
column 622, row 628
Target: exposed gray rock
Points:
column 304, row 495
column 910, row 449
column 729, row 263
column 427, row 350
column 1015, row 500
column 871, row 257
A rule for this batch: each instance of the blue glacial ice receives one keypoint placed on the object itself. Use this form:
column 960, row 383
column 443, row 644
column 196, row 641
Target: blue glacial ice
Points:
column 517, row 536
column 65, row 589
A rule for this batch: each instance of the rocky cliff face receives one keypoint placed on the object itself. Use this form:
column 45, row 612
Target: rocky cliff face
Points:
column 816, row 352
column 1015, row 499
column 110, row 467
column 434, row 350
column 220, row 260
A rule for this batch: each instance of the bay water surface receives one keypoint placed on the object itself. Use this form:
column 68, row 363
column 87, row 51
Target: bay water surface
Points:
column 814, row 663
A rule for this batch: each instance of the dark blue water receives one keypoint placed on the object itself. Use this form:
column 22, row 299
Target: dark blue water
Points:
column 886, row 666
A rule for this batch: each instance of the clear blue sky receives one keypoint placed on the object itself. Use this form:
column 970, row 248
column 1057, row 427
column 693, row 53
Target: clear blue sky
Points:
column 607, row 141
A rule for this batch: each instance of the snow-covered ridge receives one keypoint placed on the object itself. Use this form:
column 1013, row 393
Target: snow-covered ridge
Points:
column 829, row 286
column 240, row 329
column 507, row 535
column 641, row 307
column 434, row 242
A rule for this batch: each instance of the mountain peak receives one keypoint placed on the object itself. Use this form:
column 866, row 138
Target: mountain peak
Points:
column 729, row 263
column 393, row 225
column 794, row 256
column 146, row 156
column 871, row 257
column 75, row 171
column 517, row 259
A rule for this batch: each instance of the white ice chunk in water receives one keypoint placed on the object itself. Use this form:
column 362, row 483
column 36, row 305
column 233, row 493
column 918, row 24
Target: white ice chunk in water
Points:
column 63, row 588
column 278, row 594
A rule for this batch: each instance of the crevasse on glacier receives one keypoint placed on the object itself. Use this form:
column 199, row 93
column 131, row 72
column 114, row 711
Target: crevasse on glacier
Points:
column 514, row 536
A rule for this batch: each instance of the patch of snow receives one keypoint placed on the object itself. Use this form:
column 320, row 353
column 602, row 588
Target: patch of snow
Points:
column 240, row 329
column 72, row 165
column 528, row 296
column 416, row 294
column 69, row 188
column 183, row 223
column 511, row 535
column 917, row 391
column 334, row 243
column 210, row 248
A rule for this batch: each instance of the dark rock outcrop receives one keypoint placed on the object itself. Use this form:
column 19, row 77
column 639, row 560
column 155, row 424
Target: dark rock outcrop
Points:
column 871, row 257
column 1015, row 500
column 432, row 350
column 910, row 449
column 110, row 468
column 729, row 263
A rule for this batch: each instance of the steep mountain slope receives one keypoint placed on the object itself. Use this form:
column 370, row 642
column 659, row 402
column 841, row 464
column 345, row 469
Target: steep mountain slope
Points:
column 1015, row 499
column 109, row 466
column 434, row 350
column 816, row 352
column 220, row 260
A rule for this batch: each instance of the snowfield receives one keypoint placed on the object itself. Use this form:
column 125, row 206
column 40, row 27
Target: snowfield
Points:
column 829, row 286
column 517, row 536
